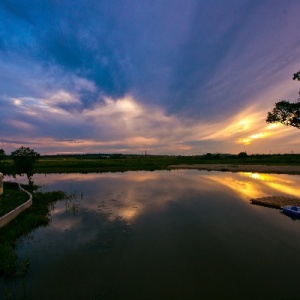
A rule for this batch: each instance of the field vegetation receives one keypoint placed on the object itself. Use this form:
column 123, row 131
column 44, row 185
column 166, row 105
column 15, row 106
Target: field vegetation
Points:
column 87, row 163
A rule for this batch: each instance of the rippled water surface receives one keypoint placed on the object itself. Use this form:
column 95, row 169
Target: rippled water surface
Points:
column 162, row 235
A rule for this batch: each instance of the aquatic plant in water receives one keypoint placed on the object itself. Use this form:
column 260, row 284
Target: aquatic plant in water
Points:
column 71, row 201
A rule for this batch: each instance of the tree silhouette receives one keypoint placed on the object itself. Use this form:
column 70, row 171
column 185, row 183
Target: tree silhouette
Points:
column 296, row 76
column 286, row 112
column 24, row 159
column 2, row 154
column 2, row 161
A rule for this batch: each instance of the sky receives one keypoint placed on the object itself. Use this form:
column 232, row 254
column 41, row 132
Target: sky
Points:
column 162, row 76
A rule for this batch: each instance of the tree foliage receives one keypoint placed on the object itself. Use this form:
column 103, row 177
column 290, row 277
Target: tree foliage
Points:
column 2, row 154
column 242, row 155
column 286, row 112
column 24, row 159
column 296, row 76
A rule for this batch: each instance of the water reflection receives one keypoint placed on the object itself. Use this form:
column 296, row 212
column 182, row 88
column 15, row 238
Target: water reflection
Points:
column 183, row 234
column 281, row 184
column 255, row 185
column 123, row 196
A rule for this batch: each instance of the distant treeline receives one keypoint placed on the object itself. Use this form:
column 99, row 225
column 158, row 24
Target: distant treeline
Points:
column 202, row 156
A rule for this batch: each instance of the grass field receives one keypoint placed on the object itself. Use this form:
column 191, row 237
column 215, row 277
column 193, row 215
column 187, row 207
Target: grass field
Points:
column 120, row 163
column 85, row 163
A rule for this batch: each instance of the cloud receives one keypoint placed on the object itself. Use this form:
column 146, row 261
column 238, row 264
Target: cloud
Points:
column 128, row 126
column 169, row 76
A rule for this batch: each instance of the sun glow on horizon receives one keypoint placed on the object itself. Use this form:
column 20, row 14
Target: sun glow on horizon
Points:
column 136, row 127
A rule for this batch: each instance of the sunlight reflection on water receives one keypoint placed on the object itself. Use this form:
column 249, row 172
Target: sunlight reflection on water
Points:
column 183, row 234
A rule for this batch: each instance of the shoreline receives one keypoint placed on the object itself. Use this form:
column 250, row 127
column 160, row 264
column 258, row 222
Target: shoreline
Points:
column 241, row 168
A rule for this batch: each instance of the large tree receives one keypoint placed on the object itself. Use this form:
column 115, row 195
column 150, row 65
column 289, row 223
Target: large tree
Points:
column 286, row 112
column 24, row 159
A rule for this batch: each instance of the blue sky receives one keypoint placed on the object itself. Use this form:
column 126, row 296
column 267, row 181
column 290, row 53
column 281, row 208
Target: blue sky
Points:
column 166, row 77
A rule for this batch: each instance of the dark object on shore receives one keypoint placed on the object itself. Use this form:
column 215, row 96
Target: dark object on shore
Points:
column 291, row 210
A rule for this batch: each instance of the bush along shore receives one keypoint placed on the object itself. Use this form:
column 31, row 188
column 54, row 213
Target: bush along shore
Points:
column 33, row 217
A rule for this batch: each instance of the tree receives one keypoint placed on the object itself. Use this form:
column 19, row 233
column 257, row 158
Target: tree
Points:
column 243, row 155
column 24, row 158
column 285, row 112
column 296, row 76
column 2, row 154
column 2, row 158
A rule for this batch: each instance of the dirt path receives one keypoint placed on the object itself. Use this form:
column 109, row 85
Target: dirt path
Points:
column 241, row 168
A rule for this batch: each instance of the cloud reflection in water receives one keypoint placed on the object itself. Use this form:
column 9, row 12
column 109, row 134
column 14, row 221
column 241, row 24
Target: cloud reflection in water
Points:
column 183, row 216
column 128, row 195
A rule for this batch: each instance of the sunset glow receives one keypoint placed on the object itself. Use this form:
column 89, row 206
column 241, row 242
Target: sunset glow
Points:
column 205, row 86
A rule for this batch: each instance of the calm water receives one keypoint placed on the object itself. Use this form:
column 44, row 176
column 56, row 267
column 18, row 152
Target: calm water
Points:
column 163, row 235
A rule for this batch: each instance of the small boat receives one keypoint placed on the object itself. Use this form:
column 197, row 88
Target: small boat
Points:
column 291, row 210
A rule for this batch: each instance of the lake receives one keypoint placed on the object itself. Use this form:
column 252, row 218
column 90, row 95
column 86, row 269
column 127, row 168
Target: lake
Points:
column 181, row 234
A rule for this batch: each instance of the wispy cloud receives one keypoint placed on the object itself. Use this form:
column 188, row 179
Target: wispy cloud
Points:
column 125, row 125
column 170, row 76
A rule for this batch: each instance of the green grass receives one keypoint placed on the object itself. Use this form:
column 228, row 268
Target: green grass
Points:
column 85, row 164
column 11, row 198
column 149, row 163
column 89, row 163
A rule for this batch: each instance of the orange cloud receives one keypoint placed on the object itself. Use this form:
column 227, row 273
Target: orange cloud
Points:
column 125, row 125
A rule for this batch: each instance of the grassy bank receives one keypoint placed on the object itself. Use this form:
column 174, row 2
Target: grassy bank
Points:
column 11, row 198
column 88, row 163
column 35, row 216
